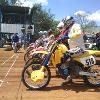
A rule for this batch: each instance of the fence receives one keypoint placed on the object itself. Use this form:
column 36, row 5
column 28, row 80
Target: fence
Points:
column 13, row 28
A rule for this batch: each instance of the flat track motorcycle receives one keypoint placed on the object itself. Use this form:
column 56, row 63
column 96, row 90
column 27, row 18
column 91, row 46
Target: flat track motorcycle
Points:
column 32, row 48
column 37, row 75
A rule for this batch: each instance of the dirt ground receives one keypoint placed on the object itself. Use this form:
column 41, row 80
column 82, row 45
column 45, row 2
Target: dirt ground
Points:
column 11, row 88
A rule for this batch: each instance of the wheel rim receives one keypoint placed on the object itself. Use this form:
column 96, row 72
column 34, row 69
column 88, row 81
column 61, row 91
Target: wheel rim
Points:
column 30, row 82
column 95, row 80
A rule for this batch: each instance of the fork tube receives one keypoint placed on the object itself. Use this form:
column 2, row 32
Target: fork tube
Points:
column 46, row 60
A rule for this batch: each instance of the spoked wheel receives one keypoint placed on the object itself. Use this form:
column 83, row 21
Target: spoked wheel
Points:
column 26, row 56
column 34, row 78
column 93, row 80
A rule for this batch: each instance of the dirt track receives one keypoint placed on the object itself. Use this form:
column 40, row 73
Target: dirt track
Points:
column 13, row 89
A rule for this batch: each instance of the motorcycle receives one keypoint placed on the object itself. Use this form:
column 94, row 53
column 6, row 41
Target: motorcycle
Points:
column 36, row 53
column 37, row 75
column 33, row 47
column 29, row 51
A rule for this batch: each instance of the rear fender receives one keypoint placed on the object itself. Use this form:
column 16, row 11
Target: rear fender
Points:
column 93, row 52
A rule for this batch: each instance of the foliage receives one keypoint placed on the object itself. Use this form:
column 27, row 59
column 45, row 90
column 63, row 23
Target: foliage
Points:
column 3, row 2
column 43, row 20
column 56, row 32
column 85, row 23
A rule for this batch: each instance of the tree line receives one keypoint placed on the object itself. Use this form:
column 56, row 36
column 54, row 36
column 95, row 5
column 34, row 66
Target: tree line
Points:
column 44, row 20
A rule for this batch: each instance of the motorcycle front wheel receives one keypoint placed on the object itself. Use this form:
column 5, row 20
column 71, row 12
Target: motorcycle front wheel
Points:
column 26, row 56
column 31, row 84
column 93, row 81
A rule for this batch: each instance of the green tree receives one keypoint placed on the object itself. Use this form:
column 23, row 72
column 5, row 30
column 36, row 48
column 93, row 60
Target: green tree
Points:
column 42, row 19
column 3, row 2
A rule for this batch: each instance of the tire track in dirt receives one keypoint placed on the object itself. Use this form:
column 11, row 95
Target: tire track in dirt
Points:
column 7, row 59
column 4, row 79
column 15, row 90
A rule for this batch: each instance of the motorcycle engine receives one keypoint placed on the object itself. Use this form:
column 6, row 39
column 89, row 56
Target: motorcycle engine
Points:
column 69, row 68
column 63, row 69
column 74, row 68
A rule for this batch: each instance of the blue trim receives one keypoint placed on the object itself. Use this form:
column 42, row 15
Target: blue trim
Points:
column 45, row 63
column 65, row 37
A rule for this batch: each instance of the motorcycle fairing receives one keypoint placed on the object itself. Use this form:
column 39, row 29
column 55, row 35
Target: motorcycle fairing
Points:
column 58, row 54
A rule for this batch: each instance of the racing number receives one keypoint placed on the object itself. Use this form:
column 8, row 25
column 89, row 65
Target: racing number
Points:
column 90, row 62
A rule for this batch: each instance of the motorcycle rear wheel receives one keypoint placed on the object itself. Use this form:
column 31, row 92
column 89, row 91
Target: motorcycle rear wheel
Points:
column 93, row 81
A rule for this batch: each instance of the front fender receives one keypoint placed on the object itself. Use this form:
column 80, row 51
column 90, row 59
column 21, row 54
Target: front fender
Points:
column 39, row 52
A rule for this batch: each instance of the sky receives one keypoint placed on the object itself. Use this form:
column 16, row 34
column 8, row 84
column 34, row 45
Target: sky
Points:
column 62, row 8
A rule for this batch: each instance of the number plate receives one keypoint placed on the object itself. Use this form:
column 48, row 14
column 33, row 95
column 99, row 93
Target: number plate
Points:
column 88, row 61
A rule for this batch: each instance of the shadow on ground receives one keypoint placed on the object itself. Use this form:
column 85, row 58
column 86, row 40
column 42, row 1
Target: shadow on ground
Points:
column 77, row 87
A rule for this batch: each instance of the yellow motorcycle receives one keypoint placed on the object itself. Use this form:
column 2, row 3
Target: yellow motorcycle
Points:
column 38, row 75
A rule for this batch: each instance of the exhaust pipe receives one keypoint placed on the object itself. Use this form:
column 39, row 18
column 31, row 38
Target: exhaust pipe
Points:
column 87, row 74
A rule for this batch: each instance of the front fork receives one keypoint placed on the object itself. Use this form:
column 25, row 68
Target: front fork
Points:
column 45, row 62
